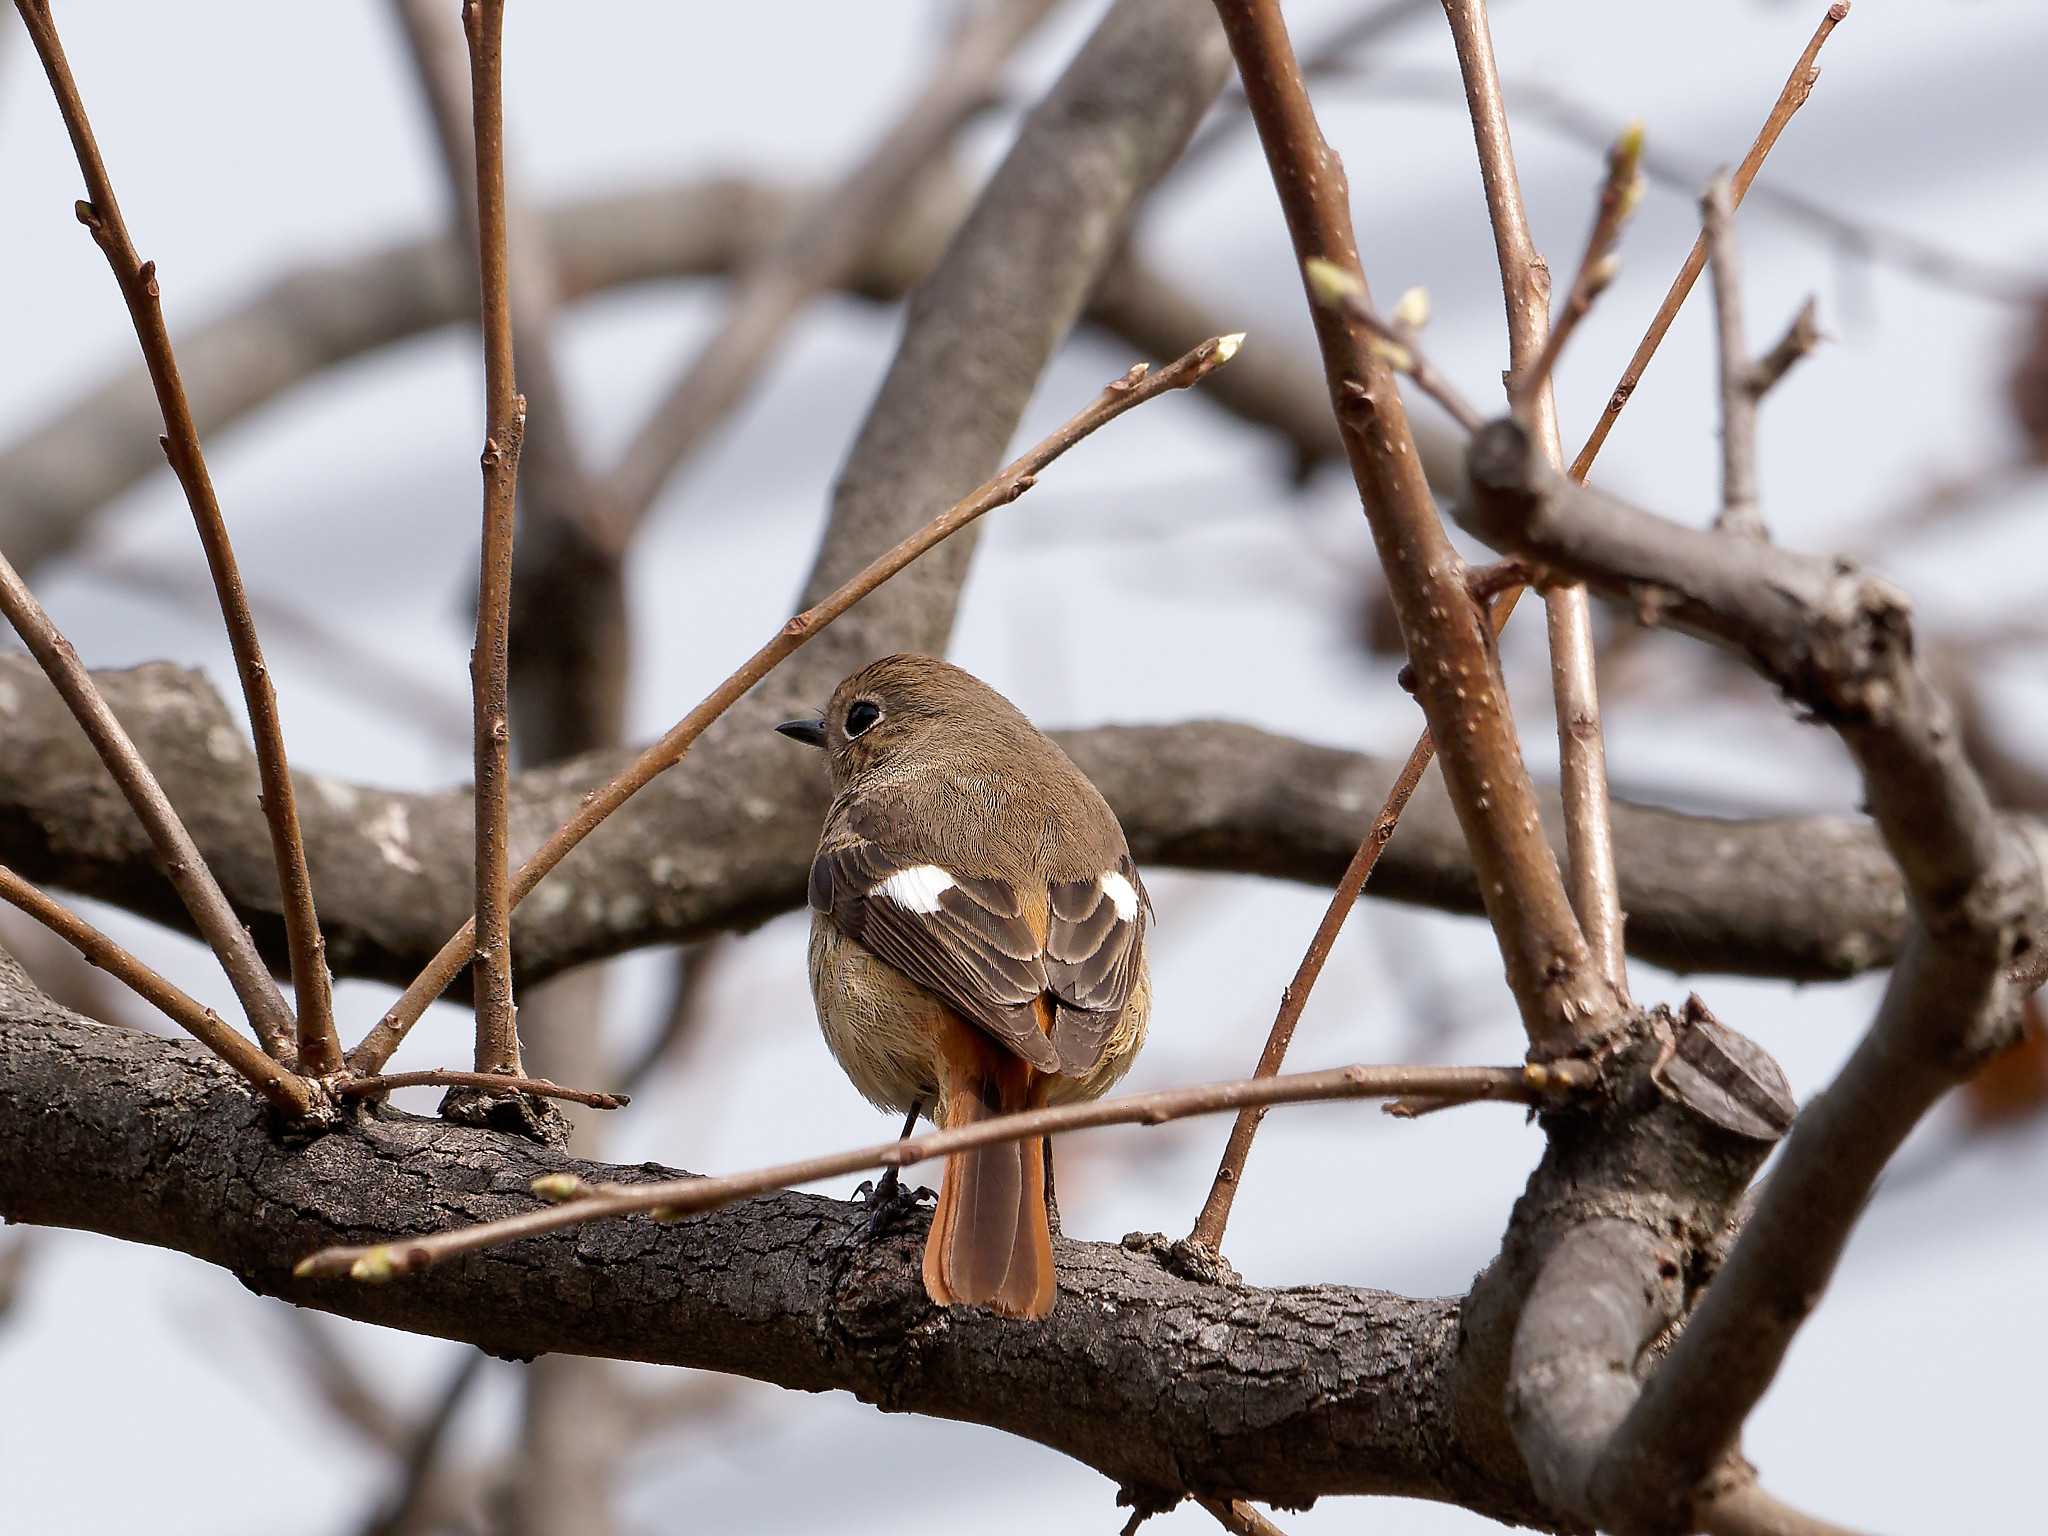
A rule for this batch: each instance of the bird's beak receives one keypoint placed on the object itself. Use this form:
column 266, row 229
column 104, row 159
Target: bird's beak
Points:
column 810, row 732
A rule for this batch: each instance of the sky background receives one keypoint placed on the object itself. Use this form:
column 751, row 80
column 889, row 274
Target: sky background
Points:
column 247, row 138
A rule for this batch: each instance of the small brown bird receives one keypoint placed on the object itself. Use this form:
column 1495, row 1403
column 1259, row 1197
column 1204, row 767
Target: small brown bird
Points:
column 977, row 942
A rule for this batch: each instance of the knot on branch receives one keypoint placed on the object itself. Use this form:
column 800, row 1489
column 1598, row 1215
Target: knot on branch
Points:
column 520, row 1114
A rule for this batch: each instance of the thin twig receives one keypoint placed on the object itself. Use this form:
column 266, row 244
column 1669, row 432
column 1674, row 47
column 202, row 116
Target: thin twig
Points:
column 1137, row 386
column 497, row 1030
column 1238, row 1517
column 1332, row 285
column 1619, row 194
column 1395, row 340
column 1749, row 1510
column 1525, row 284
column 1549, row 968
column 490, row 1082
column 1215, row 1214
column 577, row 1202
column 1852, row 238
column 820, row 244
column 1798, row 86
column 1800, row 338
column 318, row 1048
column 182, row 862
column 287, row 1090
column 1740, row 513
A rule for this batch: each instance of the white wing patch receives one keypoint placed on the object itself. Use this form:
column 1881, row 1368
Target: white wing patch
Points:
column 1121, row 895
column 916, row 889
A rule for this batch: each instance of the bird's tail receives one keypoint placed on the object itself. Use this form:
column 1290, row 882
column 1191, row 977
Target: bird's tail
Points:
column 991, row 1240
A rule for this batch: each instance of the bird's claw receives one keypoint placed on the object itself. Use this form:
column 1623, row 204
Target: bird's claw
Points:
column 886, row 1200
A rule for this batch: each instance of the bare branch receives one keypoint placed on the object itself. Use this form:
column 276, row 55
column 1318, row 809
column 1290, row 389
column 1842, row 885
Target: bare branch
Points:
column 1396, row 340
column 1238, row 1517
column 489, row 942
column 1798, row 86
column 1800, row 338
column 1525, row 286
column 1619, row 194
column 574, row 1202
column 1740, row 514
column 1548, row 965
column 1855, row 238
column 1215, row 1213
column 316, row 1044
column 177, row 853
column 1133, row 389
column 292, row 1094
column 1840, row 643
column 490, row 1082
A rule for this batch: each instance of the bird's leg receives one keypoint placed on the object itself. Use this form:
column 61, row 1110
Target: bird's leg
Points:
column 885, row 1191
column 1052, row 1202
column 886, row 1196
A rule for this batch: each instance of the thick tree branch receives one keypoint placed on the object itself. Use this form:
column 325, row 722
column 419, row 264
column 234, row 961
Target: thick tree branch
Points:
column 316, row 1042
column 170, row 845
column 1550, row 971
column 1806, row 897
column 1163, row 1384
column 1840, row 643
column 572, row 1201
column 288, row 1091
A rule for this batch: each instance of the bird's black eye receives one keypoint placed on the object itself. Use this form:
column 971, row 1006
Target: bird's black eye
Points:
column 861, row 715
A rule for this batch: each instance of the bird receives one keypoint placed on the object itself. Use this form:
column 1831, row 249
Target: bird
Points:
column 977, row 947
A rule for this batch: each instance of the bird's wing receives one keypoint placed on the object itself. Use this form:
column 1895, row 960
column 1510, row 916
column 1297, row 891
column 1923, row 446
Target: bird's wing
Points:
column 967, row 940
column 1094, row 950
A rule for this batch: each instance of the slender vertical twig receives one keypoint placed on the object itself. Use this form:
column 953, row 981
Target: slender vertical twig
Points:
column 1798, row 86
column 287, row 1090
column 1619, row 193
column 1740, row 513
column 184, row 866
column 1215, row 1214
column 1525, row 284
column 318, row 1050
column 1744, row 382
column 1556, row 985
column 497, row 1031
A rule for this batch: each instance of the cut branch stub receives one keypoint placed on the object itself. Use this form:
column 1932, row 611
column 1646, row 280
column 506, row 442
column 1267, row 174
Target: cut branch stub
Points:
column 1727, row 1077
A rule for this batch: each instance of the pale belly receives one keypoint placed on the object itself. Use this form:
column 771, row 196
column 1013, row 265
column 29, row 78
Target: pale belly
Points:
column 880, row 1027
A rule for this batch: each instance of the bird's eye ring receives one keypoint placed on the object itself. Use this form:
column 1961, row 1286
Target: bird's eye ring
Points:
column 860, row 715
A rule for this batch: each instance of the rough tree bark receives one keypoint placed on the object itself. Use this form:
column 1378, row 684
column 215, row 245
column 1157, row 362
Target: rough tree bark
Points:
column 1805, row 897
column 1159, row 1382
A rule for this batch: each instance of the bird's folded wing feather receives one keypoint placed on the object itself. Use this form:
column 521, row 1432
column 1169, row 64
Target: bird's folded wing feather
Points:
column 1094, row 948
column 964, row 939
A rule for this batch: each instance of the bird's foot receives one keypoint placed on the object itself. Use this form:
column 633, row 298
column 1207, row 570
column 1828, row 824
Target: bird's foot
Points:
column 887, row 1202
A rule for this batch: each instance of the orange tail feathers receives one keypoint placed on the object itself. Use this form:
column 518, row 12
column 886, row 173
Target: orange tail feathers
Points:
column 991, row 1240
